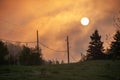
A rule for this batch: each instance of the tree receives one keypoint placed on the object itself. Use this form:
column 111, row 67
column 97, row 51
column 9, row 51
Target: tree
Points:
column 95, row 49
column 115, row 46
column 25, row 56
column 14, row 53
column 30, row 57
column 3, row 53
column 36, row 59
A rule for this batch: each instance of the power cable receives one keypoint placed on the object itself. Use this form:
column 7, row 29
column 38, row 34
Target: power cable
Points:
column 17, row 41
column 33, row 42
column 51, row 48
column 73, row 58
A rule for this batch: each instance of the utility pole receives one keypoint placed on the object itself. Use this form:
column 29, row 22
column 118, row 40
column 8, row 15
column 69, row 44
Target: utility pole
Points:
column 68, row 49
column 37, row 42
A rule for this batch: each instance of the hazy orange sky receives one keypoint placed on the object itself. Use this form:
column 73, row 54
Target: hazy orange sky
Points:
column 55, row 19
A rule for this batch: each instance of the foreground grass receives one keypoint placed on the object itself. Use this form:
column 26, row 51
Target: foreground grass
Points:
column 88, row 70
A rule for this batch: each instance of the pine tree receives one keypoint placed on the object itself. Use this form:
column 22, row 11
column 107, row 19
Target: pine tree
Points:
column 115, row 46
column 95, row 49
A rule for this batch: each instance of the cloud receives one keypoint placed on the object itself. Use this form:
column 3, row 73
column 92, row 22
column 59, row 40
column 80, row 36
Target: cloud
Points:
column 55, row 19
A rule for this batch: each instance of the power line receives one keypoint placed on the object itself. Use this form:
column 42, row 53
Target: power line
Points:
column 51, row 48
column 17, row 41
column 26, row 42
column 73, row 58
column 34, row 42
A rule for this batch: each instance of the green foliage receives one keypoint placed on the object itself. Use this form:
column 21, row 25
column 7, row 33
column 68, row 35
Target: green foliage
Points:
column 95, row 50
column 115, row 46
column 29, row 57
column 3, row 53
column 36, row 59
column 12, row 60
column 25, row 56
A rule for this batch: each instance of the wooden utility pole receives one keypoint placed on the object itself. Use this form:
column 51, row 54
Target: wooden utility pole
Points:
column 68, row 50
column 37, row 42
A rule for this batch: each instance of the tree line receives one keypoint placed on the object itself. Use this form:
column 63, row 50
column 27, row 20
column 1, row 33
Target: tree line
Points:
column 11, row 54
column 96, row 50
column 28, row 56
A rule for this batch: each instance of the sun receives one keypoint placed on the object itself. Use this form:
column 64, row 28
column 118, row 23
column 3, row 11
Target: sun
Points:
column 84, row 21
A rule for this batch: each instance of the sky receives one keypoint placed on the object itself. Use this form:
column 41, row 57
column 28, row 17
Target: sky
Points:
column 56, row 19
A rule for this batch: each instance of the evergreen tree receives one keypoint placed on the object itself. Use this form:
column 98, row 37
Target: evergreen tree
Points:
column 95, row 49
column 3, row 53
column 115, row 46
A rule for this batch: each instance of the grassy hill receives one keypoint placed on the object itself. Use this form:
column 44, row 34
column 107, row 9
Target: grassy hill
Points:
column 88, row 70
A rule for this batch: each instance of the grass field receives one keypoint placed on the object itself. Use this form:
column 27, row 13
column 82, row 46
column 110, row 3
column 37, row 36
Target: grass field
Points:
column 88, row 70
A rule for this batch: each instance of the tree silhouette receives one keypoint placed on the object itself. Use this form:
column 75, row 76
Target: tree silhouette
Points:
column 14, row 53
column 25, row 56
column 95, row 49
column 115, row 46
column 36, row 59
column 3, row 53
column 30, row 57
